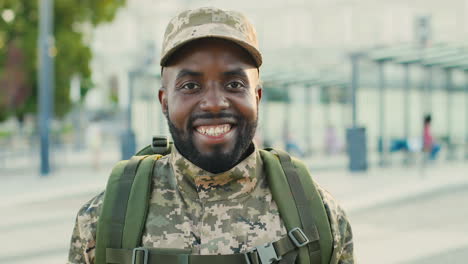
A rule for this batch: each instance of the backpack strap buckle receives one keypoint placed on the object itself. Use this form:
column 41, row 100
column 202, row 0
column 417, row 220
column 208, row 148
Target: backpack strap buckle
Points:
column 266, row 254
column 298, row 237
column 136, row 255
column 160, row 145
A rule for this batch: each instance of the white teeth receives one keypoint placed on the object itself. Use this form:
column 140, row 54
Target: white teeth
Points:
column 214, row 130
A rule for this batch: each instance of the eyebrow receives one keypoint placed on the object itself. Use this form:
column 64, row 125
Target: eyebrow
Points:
column 185, row 72
column 236, row 72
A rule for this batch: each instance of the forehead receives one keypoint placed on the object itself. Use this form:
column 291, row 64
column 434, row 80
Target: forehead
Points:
column 219, row 52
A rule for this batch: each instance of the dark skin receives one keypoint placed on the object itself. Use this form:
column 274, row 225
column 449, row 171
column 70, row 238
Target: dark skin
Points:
column 210, row 95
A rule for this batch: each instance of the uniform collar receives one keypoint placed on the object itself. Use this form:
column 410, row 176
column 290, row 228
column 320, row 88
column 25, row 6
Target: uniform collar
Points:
column 200, row 184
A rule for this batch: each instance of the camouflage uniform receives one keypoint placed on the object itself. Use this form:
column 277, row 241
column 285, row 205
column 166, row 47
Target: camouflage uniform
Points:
column 193, row 209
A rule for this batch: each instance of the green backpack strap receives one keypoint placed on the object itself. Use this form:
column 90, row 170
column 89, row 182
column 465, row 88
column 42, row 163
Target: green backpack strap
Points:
column 139, row 199
column 120, row 225
column 300, row 205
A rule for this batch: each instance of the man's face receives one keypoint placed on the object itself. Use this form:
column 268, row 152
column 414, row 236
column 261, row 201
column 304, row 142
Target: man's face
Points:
column 210, row 98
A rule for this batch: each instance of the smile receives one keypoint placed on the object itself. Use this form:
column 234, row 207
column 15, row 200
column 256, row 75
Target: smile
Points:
column 215, row 130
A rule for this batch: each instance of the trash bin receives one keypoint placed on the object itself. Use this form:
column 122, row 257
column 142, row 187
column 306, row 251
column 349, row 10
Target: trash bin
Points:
column 357, row 148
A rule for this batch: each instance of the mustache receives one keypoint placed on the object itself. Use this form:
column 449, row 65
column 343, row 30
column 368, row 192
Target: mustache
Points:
column 212, row 116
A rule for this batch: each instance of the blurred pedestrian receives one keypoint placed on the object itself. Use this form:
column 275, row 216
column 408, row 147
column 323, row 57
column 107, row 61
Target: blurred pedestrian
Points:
column 94, row 141
column 332, row 143
column 429, row 145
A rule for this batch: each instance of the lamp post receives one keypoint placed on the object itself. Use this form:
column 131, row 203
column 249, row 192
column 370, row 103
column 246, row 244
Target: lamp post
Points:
column 46, row 80
column 353, row 87
column 465, row 137
column 128, row 136
column 466, row 114
column 382, row 132
column 128, row 140
column 449, row 84
column 406, row 110
column 356, row 140
column 307, row 126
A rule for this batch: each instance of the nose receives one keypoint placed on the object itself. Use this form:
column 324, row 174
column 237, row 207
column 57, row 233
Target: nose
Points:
column 214, row 100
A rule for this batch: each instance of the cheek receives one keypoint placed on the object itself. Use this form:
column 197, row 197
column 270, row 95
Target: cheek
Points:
column 180, row 110
column 247, row 107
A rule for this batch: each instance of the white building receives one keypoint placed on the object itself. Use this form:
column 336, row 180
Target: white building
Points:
column 293, row 34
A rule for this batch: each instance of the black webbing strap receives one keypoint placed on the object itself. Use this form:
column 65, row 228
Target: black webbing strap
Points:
column 302, row 204
column 283, row 248
column 120, row 208
column 127, row 256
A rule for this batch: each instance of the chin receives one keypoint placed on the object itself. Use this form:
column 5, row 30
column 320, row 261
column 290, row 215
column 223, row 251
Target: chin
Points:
column 215, row 151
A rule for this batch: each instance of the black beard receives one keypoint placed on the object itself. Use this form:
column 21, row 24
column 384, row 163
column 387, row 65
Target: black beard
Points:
column 218, row 161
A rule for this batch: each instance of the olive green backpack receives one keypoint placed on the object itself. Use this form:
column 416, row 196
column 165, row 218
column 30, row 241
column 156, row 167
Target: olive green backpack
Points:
column 126, row 201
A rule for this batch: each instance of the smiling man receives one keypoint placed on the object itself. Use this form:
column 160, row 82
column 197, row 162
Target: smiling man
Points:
column 210, row 96
column 216, row 197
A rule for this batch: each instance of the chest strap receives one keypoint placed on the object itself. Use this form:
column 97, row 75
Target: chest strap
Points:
column 303, row 205
column 266, row 254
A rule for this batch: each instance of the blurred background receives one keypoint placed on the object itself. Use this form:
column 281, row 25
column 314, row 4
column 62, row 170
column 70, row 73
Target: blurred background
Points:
column 373, row 95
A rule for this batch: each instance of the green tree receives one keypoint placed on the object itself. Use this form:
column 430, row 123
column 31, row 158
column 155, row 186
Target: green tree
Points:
column 18, row 50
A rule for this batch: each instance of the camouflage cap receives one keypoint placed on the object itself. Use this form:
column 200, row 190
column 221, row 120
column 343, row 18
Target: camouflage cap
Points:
column 210, row 22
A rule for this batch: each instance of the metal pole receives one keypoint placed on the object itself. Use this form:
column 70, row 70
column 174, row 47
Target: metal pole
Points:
column 327, row 107
column 287, row 122
column 326, row 113
column 307, row 127
column 75, row 97
column 427, row 99
column 353, row 87
column 128, row 113
column 46, row 80
column 382, row 139
column 448, row 75
column 128, row 137
column 466, row 115
column 406, row 111
column 356, row 136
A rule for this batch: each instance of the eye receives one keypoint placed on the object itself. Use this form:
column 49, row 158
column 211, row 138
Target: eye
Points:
column 190, row 87
column 235, row 85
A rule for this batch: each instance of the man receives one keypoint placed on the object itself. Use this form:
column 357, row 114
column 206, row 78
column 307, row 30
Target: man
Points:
column 212, row 195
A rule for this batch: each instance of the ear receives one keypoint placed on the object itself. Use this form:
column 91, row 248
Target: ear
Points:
column 162, row 95
column 258, row 93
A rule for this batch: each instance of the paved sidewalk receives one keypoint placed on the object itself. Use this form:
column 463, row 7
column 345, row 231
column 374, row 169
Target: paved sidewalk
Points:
column 44, row 207
column 355, row 191
column 74, row 175
column 386, row 186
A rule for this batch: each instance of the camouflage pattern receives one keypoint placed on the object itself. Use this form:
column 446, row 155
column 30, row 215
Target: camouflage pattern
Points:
column 195, row 210
column 83, row 240
column 215, row 214
column 343, row 249
column 210, row 22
